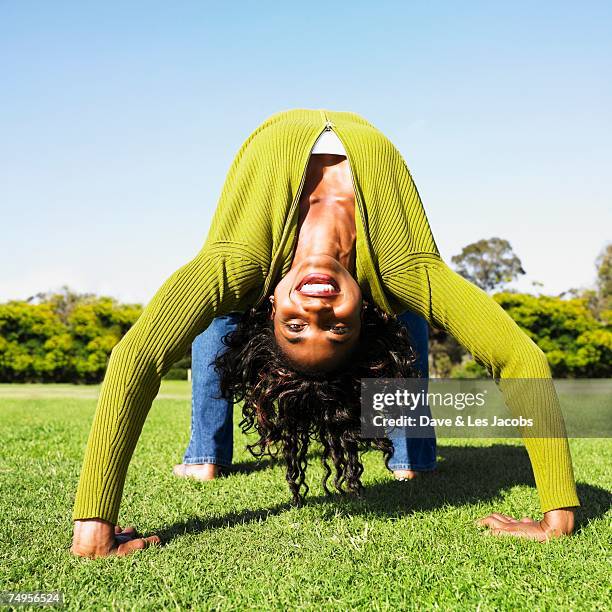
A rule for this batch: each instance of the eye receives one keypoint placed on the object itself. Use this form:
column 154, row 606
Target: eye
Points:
column 339, row 329
column 295, row 327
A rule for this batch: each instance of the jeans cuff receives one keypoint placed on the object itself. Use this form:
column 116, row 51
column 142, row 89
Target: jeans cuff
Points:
column 209, row 459
column 415, row 467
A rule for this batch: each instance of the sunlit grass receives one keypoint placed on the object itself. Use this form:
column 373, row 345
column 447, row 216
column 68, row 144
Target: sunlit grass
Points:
column 236, row 543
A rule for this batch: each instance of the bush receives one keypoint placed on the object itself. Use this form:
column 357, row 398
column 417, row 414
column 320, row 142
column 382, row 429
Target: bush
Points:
column 61, row 337
column 576, row 343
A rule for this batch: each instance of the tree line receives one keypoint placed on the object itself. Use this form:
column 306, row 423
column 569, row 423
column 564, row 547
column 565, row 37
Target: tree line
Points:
column 68, row 337
column 574, row 329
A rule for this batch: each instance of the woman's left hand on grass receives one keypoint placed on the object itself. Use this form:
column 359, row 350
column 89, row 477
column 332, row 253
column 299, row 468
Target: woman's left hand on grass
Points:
column 555, row 523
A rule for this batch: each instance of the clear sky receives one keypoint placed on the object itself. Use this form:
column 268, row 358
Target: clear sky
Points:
column 119, row 120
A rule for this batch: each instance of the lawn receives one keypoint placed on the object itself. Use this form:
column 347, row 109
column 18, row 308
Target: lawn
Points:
column 236, row 543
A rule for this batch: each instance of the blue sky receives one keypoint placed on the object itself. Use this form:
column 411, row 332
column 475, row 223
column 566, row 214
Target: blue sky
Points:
column 119, row 120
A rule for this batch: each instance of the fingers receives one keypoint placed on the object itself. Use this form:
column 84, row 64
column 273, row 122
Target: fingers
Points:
column 520, row 531
column 501, row 528
column 496, row 519
column 493, row 521
column 130, row 546
column 510, row 519
column 131, row 531
column 504, row 525
column 124, row 535
column 504, row 518
column 507, row 528
column 510, row 530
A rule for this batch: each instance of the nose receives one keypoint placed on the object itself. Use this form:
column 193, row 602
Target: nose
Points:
column 316, row 306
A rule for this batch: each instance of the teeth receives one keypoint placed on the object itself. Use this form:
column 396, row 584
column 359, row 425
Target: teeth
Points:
column 318, row 288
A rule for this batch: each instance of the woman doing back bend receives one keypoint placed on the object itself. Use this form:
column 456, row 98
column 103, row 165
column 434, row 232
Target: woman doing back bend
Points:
column 362, row 234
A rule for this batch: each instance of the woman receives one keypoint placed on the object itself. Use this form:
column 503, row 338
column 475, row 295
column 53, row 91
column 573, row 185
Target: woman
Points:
column 301, row 271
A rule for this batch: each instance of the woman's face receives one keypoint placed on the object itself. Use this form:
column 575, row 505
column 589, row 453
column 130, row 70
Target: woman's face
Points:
column 317, row 313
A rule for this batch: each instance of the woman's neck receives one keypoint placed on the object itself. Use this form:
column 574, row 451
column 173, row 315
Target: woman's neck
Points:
column 326, row 223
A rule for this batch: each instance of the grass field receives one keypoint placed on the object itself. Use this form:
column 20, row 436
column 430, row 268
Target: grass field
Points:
column 237, row 544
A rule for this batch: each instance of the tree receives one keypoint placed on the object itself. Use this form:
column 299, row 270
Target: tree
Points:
column 489, row 264
column 62, row 302
column 603, row 263
column 575, row 342
column 445, row 353
column 599, row 297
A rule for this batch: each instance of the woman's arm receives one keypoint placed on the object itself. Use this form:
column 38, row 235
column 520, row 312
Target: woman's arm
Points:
column 428, row 286
column 212, row 283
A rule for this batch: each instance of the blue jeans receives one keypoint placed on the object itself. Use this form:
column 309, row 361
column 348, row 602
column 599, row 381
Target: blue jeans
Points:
column 211, row 417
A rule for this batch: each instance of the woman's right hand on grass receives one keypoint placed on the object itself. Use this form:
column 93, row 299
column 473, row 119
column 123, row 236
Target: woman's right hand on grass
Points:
column 97, row 538
column 556, row 523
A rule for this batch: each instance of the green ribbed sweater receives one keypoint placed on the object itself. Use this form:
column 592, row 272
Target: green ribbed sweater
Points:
column 249, row 248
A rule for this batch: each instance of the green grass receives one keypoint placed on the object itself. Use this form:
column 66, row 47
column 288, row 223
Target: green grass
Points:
column 237, row 544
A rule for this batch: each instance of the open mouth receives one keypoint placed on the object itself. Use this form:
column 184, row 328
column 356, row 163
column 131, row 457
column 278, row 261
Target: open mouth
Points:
column 318, row 285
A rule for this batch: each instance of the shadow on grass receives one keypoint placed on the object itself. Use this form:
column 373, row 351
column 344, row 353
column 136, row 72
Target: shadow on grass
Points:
column 251, row 467
column 257, row 465
column 465, row 475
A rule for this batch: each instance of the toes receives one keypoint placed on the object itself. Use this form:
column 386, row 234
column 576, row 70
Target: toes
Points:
column 179, row 470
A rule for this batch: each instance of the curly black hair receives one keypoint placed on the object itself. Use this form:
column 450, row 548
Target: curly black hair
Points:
column 289, row 407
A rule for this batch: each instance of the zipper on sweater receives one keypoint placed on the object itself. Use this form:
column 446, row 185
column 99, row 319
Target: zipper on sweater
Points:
column 358, row 203
column 298, row 195
column 294, row 205
column 328, row 126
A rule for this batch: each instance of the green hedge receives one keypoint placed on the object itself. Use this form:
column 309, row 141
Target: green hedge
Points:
column 63, row 337
column 67, row 337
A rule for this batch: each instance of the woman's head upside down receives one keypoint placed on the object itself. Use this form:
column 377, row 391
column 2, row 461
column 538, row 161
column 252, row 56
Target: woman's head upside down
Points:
column 289, row 406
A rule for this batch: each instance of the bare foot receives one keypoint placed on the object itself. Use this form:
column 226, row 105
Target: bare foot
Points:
column 405, row 474
column 198, row 471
